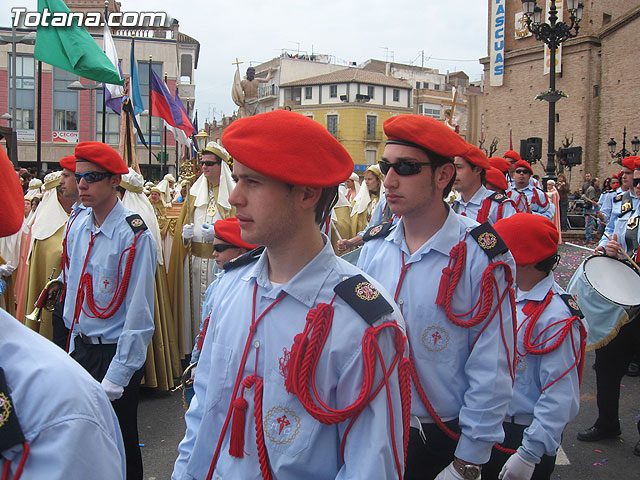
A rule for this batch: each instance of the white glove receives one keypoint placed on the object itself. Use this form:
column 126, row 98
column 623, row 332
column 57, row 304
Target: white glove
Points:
column 187, row 231
column 450, row 473
column 208, row 232
column 517, row 468
column 113, row 391
column 6, row 270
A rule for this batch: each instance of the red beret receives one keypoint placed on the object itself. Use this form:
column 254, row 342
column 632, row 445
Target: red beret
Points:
column 69, row 163
column 103, row 155
column 476, row 157
column 288, row 147
column 425, row 132
column 631, row 162
column 12, row 197
column 500, row 163
column 497, row 178
column 524, row 164
column 229, row 231
column 531, row 238
column 513, row 154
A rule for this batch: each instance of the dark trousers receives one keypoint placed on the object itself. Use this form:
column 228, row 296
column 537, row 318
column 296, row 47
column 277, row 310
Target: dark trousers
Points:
column 60, row 331
column 96, row 359
column 564, row 208
column 427, row 458
column 611, row 364
column 513, row 439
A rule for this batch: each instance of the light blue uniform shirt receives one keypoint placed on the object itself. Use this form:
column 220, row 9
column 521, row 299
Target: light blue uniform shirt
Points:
column 66, row 417
column 77, row 209
column 473, row 385
column 559, row 403
column 206, row 312
column 616, row 213
column 530, row 192
column 299, row 447
column 472, row 207
column 131, row 327
column 606, row 202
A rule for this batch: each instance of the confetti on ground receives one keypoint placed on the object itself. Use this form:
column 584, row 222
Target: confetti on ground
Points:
column 597, row 464
column 598, row 451
column 141, row 444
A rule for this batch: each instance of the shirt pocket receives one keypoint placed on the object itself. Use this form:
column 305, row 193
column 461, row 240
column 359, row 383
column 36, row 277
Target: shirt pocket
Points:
column 218, row 380
column 105, row 280
column 435, row 339
column 288, row 428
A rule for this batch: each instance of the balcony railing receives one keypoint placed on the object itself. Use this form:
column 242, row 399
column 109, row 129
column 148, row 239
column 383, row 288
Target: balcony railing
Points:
column 269, row 90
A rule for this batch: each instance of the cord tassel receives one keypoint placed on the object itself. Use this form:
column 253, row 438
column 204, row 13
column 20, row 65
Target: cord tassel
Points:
column 445, row 280
column 236, row 446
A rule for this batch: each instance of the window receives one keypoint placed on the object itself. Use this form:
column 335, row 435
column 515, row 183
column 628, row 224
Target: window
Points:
column 333, row 91
column 65, row 101
column 596, row 90
column 297, row 96
column 370, row 157
column 371, row 126
column 425, row 84
column 308, row 93
column 429, row 109
column 371, row 91
column 25, row 92
column 417, row 85
column 156, row 122
column 436, row 86
column 112, row 134
column 332, row 124
column 396, row 94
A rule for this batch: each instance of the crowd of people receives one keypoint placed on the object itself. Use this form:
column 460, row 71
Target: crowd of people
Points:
column 402, row 324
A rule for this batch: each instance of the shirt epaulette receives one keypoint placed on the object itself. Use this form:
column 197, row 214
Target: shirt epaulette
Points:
column 379, row 231
column 498, row 197
column 136, row 223
column 617, row 198
column 245, row 259
column 10, row 431
column 572, row 304
column 489, row 240
column 364, row 298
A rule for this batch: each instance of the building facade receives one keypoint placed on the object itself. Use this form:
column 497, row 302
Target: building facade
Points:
column 595, row 70
column 72, row 116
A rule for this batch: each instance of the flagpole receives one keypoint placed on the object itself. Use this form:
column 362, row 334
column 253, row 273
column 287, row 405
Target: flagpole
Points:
column 164, row 139
column 39, row 121
column 150, row 113
column 104, row 96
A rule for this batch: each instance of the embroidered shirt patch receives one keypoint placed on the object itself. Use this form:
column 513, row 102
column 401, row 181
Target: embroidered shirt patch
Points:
column 366, row 291
column 281, row 425
column 106, row 284
column 521, row 363
column 435, row 339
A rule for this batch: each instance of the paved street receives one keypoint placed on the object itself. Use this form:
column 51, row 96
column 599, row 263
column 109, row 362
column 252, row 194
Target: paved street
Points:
column 161, row 423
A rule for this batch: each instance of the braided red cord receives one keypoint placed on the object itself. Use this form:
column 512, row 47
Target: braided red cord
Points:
column 537, row 198
column 7, row 464
column 5, row 470
column 483, row 214
column 404, row 377
column 263, row 455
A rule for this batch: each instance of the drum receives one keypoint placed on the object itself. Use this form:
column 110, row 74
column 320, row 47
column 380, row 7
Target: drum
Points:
column 605, row 288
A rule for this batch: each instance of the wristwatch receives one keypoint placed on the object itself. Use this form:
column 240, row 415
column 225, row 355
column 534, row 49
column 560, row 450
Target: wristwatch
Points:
column 468, row 471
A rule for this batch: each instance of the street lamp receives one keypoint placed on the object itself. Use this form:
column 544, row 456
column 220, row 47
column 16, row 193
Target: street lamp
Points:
column 91, row 86
column 552, row 34
column 624, row 153
column 7, row 117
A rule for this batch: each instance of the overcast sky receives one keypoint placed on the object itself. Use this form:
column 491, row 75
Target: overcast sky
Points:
column 453, row 35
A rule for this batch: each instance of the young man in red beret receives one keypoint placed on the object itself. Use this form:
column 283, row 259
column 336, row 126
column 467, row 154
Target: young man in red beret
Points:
column 496, row 181
column 290, row 383
column 56, row 421
column 528, row 198
column 442, row 267
column 110, row 298
column 549, row 354
column 476, row 201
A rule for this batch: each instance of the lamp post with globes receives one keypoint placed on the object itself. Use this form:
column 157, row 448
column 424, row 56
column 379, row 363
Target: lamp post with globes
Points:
column 552, row 34
column 624, row 153
column 91, row 86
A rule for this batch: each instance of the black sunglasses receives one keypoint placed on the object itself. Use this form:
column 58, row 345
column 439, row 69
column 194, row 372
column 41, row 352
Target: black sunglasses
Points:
column 221, row 247
column 209, row 163
column 522, row 170
column 402, row 168
column 92, row 177
column 636, row 182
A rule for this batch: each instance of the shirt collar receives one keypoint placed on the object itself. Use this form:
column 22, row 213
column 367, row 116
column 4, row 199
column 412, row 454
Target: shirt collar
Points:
column 538, row 292
column 305, row 286
column 443, row 241
column 114, row 218
column 477, row 197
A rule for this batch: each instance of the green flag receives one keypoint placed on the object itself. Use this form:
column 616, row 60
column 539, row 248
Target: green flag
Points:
column 73, row 49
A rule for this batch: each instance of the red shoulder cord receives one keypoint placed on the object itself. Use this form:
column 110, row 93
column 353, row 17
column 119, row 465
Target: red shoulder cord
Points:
column 501, row 207
column 536, row 198
column 64, row 258
column 534, row 346
column 448, row 283
column 303, row 362
column 85, row 287
column 7, row 464
column 483, row 214
column 522, row 199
